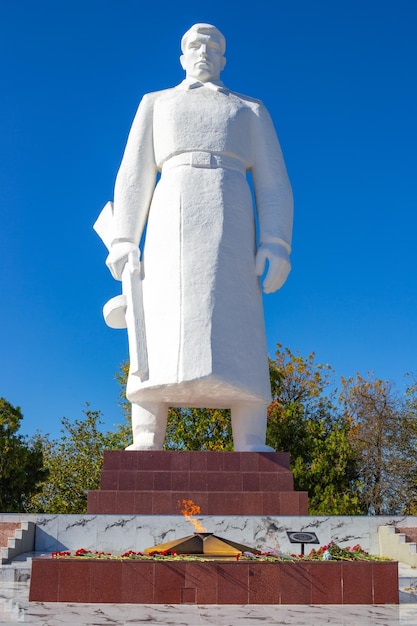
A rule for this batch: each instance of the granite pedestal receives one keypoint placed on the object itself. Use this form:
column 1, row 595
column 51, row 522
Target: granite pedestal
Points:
column 220, row 483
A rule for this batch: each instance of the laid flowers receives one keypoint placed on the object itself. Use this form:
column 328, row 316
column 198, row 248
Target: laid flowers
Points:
column 329, row 552
column 333, row 552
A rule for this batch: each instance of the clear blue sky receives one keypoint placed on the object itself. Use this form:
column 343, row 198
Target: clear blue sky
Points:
column 339, row 79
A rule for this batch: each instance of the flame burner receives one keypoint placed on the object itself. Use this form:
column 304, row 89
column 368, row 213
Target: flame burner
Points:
column 205, row 545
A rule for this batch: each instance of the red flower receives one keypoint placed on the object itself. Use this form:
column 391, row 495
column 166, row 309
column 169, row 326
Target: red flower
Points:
column 56, row 555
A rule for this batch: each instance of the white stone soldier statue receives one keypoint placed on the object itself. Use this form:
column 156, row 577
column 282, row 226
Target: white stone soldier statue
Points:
column 194, row 309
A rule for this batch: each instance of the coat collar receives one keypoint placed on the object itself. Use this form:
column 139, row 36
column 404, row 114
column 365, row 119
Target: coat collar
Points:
column 191, row 83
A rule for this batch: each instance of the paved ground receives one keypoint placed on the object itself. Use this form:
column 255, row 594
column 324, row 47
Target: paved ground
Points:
column 15, row 608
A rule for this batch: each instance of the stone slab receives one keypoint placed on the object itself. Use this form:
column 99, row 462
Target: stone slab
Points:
column 119, row 533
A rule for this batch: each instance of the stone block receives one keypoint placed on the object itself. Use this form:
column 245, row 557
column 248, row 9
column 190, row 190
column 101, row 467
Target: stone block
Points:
column 213, row 582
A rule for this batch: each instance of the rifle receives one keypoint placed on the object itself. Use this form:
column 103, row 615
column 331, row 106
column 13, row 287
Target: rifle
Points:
column 126, row 310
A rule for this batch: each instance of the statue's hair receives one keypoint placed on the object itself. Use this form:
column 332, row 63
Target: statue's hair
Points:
column 205, row 29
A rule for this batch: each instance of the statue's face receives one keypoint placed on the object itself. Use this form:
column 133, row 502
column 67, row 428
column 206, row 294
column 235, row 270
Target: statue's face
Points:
column 203, row 58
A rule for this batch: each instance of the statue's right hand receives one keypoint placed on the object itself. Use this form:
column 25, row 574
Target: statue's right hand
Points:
column 118, row 257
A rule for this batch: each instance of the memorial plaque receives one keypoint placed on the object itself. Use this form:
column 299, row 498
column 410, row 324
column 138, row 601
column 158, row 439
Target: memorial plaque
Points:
column 302, row 537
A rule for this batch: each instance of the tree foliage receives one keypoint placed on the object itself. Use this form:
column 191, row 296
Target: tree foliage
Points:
column 74, row 462
column 124, row 430
column 383, row 440
column 199, row 429
column 410, row 452
column 22, row 469
column 303, row 420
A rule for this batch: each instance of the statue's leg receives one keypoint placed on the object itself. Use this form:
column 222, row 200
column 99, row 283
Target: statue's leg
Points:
column 149, row 423
column 249, row 427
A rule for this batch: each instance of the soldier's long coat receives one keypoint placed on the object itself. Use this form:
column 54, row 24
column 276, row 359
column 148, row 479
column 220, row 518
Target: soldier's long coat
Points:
column 202, row 300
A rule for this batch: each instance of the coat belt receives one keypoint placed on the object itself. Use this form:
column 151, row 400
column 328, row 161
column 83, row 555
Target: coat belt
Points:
column 205, row 159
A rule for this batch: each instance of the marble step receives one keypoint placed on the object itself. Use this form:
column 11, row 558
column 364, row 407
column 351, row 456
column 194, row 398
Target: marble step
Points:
column 19, row 568
column 22, row 540
column 407, row 583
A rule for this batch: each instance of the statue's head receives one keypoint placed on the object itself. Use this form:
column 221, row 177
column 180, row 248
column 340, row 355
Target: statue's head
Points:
column 203, row 47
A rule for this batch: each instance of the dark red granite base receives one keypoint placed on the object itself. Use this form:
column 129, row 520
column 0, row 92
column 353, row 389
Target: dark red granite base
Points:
column 214, row 582
column 221, row 483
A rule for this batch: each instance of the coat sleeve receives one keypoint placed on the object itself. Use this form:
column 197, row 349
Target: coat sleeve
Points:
column 272, row 188
column 135, row 181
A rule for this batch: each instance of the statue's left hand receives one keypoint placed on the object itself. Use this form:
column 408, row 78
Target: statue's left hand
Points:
column 279, row 265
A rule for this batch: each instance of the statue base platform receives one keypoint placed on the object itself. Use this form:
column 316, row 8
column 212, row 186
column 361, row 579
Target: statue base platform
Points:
column 220, row 483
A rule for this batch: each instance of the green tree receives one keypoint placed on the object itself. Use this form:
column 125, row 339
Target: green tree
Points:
column 304, row 421
column 383, row 440
column 410, row 446
column 74, row 462
column 199, row 429
column 22, row 469
column 123, row 431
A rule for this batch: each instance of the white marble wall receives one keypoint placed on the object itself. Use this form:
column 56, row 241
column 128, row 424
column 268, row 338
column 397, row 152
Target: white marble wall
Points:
column 119, row 533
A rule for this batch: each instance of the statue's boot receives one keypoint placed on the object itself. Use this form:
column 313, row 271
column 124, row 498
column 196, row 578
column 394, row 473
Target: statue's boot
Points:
column 249, row 427
column 149, row 423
